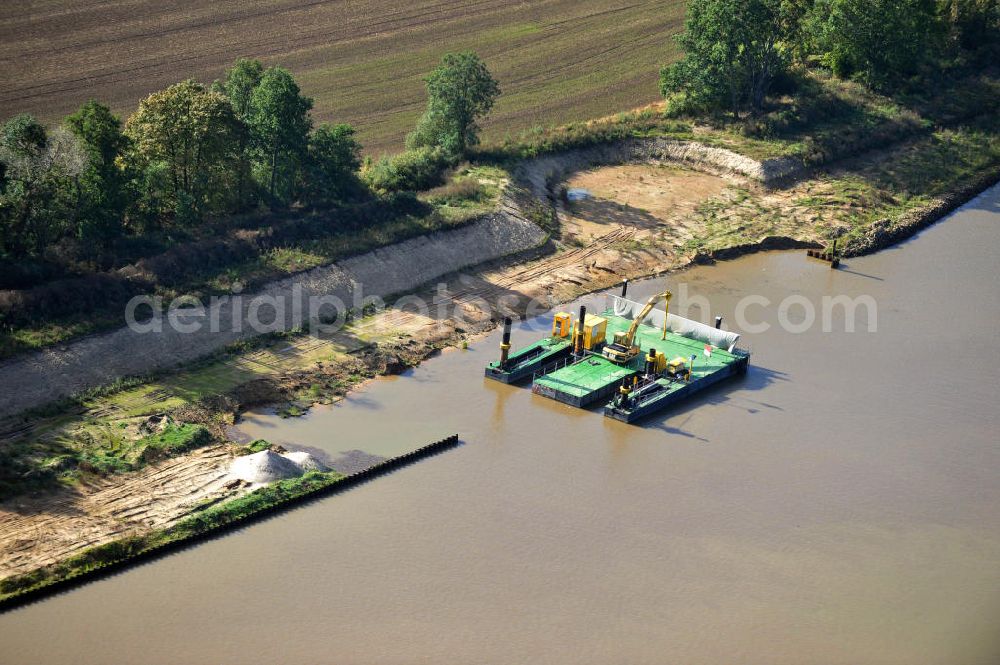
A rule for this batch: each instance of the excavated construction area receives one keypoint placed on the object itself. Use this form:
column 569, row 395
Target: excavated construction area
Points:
column 475, row 273
column 41, row 377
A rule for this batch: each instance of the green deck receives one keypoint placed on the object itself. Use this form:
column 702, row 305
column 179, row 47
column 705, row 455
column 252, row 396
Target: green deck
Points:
column 651, row 398
column 587, row 376
column 547, row 347
column 523, row 362
column 595, row 377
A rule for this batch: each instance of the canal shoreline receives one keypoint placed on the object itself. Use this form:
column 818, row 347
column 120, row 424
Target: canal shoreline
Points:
column 504, row 236
column 888, row 232
column 773, row 512
column 382, row 359
column 535, row 187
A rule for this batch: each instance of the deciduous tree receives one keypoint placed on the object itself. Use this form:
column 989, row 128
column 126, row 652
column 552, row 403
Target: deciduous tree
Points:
column 974, row 25
column 875, row 41
column 334, row 158
column 280, row 122
column 241, row 80
column 461, row 90
column 192, row 130
column 733, row 51
column 41, row 172
column 102, row 192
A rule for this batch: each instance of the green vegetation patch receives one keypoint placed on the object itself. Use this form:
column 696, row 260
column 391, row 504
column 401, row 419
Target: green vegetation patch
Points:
column 173, row 440
column 100, row 448
column 260, row 499
column 115, row 428
column 255, row 446
column 107, row 448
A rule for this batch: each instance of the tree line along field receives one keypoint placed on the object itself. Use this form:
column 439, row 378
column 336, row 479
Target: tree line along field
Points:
column 362, row 61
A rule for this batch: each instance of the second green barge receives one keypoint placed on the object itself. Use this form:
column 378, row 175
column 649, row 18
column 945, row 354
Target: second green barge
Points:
column 524, row 363
column 633, row 358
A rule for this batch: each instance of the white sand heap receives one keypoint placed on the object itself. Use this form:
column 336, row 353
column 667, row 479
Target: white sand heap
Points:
column 305, row 461
column 268, row 466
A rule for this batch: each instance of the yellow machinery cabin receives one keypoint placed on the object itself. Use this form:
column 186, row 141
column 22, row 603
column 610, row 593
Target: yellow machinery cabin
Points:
column 595, row 328
column 561, row 324
column 677, row 366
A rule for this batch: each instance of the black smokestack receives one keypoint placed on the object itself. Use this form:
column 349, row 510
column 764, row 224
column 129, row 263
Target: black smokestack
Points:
column 505, row 344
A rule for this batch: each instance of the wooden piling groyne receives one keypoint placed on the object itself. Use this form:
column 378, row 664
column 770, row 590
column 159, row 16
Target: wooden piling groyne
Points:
column 101, row 570
column 829, row 257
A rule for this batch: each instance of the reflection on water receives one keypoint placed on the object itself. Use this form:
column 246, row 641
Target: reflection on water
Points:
column 839, row 504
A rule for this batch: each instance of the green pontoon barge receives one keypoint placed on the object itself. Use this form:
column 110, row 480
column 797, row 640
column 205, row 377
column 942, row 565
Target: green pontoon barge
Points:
column 635, row 359
column 524, row 363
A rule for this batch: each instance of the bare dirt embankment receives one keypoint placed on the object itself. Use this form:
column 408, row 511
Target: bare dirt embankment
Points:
column 544, row 172
column 71, row 521
column 41, row 377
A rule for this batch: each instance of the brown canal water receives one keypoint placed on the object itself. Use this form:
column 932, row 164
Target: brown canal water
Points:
column 841, row 504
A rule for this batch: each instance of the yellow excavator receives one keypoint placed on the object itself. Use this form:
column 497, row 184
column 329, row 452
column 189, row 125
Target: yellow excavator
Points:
column 623, row 348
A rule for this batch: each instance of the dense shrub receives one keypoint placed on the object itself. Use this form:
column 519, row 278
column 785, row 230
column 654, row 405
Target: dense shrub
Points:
column 413, row 170
column 732, row 53
column 110, row 291
column 24, row 274
column 344, row 220
column 102, row 463
column 879, row 42
column 18, row 475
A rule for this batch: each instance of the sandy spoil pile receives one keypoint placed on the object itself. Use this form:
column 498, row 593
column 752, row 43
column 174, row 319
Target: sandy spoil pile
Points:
column 268, row 466
column 305, row 461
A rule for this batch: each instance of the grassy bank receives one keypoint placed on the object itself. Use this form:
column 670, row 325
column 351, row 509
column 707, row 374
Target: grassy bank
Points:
column 826, row 119
column 847, row 200
column 298, row 371
column 868, row 157
column 101, row 449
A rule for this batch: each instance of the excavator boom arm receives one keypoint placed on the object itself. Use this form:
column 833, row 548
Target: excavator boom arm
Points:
column 634, row 328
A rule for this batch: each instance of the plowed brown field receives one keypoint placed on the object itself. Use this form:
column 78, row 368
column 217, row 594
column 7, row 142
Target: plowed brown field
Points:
column 362, row 61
